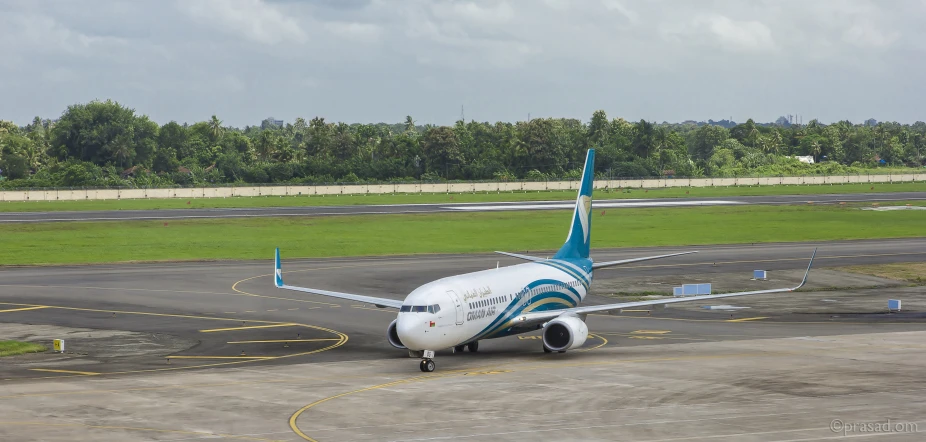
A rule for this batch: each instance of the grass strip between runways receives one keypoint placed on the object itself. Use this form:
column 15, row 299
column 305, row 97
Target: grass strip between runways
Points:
column 255, row 238
column 12, row 348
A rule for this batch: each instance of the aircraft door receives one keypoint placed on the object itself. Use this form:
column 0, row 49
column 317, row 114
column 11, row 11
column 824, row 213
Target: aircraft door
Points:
column 457, row 304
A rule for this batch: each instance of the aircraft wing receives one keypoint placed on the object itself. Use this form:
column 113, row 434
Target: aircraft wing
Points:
column 530, row 318
column 381, row 302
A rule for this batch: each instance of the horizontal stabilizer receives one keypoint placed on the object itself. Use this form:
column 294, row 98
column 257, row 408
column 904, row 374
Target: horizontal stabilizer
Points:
column 628, row 261
column 524, row 257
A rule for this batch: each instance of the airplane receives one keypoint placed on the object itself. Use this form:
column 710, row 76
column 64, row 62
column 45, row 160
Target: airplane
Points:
column 543, row 294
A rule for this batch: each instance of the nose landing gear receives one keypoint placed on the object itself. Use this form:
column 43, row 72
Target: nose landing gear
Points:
column 427, row 364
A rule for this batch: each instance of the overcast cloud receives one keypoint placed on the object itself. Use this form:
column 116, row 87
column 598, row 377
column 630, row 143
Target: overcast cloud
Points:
column 379, row 60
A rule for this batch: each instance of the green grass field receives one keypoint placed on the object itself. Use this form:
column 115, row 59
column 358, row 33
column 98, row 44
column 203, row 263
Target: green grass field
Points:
column 12, row 348
column 255, row 238
column 346, row 200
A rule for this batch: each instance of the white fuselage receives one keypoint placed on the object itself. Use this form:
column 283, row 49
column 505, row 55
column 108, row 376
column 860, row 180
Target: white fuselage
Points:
column 483, row 305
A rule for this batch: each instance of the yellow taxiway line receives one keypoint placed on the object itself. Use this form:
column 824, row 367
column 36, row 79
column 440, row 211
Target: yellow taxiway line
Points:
column 49, row 370
column 747, row 319
column 284, row 341
column 220, row 357
column 248, row 327
column 23, row 309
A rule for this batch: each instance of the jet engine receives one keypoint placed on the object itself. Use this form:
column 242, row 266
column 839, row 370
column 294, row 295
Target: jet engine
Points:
column 564, row 333
column 392, row 336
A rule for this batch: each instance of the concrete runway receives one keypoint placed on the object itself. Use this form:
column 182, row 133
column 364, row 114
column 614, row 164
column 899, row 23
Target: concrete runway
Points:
column 112, row 215
column 249, row 362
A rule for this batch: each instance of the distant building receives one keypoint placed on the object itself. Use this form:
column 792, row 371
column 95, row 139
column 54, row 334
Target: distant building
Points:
column 271, row 122
column 804, row 159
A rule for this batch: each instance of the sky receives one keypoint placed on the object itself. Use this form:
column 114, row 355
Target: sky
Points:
column 373, row 61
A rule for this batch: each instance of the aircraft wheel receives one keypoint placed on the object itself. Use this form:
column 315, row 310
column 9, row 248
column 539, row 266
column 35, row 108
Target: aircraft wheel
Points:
column 427, row 365
column 459, row 349
column 473, row 346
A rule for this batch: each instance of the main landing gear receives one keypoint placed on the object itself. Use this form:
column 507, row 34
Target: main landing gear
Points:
column 472, row 346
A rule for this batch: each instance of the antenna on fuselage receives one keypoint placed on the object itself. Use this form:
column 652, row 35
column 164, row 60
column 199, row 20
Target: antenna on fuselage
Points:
column 497, row 263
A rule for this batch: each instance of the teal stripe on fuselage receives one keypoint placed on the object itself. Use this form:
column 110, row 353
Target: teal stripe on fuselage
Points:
column 517, row 306
column 564, row 302
column 580, row 276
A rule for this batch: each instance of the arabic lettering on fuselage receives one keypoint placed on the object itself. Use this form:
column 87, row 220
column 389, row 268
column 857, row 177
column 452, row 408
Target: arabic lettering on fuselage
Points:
column 481, row 313
column 479, row 292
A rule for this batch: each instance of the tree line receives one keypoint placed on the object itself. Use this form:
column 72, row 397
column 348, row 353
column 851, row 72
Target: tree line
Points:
column 106, row 144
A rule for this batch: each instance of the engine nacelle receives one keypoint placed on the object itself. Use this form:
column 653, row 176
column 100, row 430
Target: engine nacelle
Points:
column 392, row 336
column 564, row 333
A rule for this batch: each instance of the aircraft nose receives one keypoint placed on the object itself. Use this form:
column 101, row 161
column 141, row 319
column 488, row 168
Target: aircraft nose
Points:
column 409, row 332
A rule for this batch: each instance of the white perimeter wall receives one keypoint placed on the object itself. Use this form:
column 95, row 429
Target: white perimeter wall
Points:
column 218, row 192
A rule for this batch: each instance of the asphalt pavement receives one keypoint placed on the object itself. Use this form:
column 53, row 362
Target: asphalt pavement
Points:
column 211, row 350
column 160, row 214
column 238, row 300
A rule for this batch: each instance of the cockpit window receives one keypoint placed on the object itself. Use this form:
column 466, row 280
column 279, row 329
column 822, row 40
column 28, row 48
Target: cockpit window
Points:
column 434, row 308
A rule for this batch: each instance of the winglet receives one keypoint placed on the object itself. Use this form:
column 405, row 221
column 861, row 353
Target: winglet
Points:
column 278, row 270
column 807, row 273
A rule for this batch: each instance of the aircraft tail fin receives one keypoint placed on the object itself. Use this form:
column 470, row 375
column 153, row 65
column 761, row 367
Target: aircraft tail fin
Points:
column 580, row 231
column 277, row 270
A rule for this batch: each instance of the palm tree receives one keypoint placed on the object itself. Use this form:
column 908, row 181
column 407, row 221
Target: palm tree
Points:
column 816, row 149
column 265, row 145
column 410, row 124
column 122, row 150
column 215, row 126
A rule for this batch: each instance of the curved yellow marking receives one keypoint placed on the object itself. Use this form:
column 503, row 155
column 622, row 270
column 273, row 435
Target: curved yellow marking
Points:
column 341, row 337
column 603, row 343
column 295, row 416
column 341, row 340
column 530, row 367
